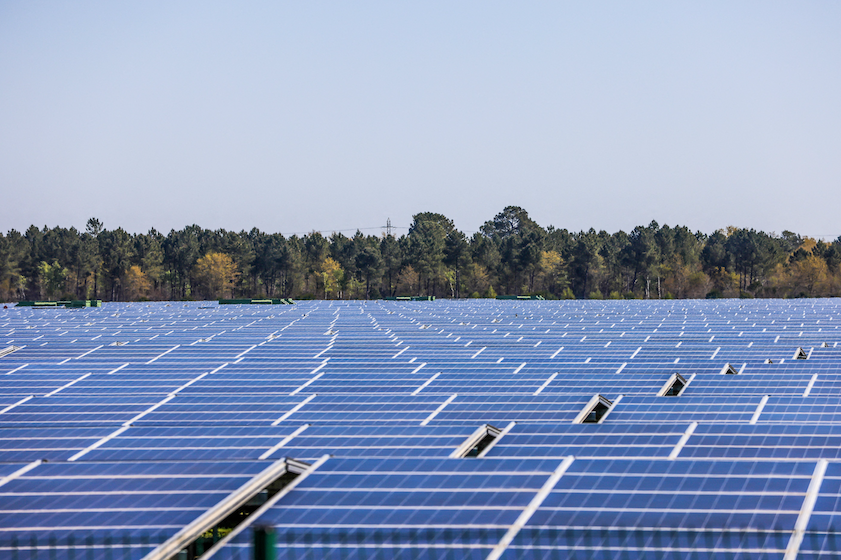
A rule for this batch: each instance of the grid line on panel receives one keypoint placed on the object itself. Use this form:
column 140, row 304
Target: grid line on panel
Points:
column 295, row 409
column 759, row 408
column 435, row 413
column 162, row 354
column 283, row 442
column 806, row 511
column 89, row 352
column 20, row 402
column 527, row 513
column 66, row 385
column 308, row 383
column 426, row 383
column 683, row 439
column 20, row 472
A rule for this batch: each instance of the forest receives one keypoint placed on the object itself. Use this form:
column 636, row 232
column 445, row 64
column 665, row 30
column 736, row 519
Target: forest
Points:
column 511, row 254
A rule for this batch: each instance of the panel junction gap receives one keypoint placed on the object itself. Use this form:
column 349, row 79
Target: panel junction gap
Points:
column 595, row 410
column 207, row 539
column 673, row 387
column 477, row 442
column 728, row 370
column 8, row 350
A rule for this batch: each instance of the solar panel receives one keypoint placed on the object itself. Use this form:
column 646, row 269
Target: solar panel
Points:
column 150, row 414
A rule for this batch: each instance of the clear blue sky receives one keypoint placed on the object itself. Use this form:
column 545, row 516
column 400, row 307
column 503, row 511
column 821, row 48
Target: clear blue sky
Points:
column 293, row 116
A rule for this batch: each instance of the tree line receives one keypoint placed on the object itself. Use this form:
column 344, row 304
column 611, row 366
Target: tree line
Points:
column 511, row 254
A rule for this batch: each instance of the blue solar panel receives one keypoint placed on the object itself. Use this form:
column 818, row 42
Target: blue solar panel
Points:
column 153, row 401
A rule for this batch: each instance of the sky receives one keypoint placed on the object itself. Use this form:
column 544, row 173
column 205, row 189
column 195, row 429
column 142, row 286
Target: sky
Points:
column 332, row 116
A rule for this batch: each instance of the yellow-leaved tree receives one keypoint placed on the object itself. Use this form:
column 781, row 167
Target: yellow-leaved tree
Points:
column 552, row 272
column 809, row 274
column 214, row 274
column 332, row 277
column 136, row 284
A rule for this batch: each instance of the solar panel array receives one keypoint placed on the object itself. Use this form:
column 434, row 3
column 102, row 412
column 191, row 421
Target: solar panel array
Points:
column 138, row 419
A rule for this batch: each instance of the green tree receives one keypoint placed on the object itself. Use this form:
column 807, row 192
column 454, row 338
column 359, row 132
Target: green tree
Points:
column 585, row 255
column 30, row 264
column 426, row 247
column 92, row 256
column 238, row 246
column 457, row 257
column 117, row 253
column 512, row 221
column 316, row 248
column 13, row 248
column 181, row 252
column 148, row 255
column 488, row 261
column 753, row 254
column 641, row 255
column 369, row 263
column 392, row 255
column 53, row 277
